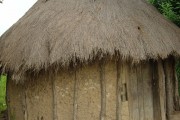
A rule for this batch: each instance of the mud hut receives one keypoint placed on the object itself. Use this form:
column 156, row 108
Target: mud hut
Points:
column 91, row 60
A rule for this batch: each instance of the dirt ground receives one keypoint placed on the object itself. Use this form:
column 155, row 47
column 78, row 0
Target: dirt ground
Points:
column 175, row 116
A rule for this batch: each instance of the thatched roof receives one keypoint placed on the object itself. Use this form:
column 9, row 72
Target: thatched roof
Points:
column 62, row 31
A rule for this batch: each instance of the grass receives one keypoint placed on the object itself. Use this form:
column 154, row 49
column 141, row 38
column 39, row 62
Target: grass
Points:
column 2, row 92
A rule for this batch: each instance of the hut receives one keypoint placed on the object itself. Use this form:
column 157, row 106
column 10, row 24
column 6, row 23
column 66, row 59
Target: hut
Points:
column 91, row 60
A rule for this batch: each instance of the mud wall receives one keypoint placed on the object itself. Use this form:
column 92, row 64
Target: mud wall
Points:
column 105, row 90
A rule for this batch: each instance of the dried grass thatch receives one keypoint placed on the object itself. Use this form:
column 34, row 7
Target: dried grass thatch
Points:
column 61, row 31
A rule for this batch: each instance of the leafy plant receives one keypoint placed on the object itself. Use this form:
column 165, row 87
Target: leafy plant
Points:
column 2, row 92
column 169, row 8
column 168, row 11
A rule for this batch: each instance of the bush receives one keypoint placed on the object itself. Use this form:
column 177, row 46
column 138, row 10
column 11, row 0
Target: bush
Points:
column 169, row 8
column 2, row 93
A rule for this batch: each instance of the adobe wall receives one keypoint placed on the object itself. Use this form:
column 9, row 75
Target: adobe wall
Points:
column 14, row 101
column 106, row 90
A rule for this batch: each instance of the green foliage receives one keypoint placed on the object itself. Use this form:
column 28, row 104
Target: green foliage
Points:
column 168, row 11
column 2, row 92
column 169, row 8
column 154, row 2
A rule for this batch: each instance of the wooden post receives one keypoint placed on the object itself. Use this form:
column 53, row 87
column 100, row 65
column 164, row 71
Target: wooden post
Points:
column 75, row 104
column 169, row 78
column 54, row 99
column 103, row 90
column 118, row 91
column 24, row 102
column 146, row 90
column 156, row 91
column 133, row 93
column 161, row 89
column 140, row 90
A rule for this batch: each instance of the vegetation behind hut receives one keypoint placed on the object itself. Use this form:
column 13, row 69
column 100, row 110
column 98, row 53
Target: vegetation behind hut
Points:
column 2, row 93
column 169, row 8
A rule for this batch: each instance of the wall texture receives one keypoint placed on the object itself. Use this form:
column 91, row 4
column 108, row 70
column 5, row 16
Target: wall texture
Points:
column 105, row 90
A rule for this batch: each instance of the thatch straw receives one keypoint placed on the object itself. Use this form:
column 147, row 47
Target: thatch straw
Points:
column 61, row 31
